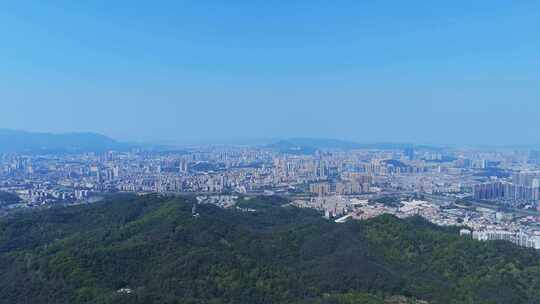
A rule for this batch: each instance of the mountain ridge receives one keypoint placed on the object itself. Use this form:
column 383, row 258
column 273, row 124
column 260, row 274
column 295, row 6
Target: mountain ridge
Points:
column 18, row 141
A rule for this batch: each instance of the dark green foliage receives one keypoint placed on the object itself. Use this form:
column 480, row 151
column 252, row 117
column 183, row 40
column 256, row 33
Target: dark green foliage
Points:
column 155, row 247
column 394, row 201
column 7, row 198
column 390, row 201
column 206, row 167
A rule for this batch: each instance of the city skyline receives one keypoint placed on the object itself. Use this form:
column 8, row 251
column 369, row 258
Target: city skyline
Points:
column 495, row 194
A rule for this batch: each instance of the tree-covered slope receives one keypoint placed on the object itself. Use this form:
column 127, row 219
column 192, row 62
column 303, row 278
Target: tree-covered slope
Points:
column 156, row 248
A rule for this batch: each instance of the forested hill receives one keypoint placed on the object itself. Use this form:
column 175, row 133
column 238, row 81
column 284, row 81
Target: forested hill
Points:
column 12, row 141
column 156, row 249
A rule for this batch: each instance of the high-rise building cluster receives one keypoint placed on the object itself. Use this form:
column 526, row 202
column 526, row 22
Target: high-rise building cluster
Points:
column 525, row 186
column 342, row 184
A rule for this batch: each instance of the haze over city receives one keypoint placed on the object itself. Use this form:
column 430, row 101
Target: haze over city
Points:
column 459, row 72
column 269, row 152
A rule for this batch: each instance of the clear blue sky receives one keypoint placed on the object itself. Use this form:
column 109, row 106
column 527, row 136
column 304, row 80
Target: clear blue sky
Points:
column 418, row 71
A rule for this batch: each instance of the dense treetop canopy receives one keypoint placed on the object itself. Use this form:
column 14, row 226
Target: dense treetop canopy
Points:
column 151, row 249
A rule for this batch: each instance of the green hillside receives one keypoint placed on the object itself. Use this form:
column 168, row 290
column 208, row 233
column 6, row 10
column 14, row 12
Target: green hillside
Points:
column 156, row 249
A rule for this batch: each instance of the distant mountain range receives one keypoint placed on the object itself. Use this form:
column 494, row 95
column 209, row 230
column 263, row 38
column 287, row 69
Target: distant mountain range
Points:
column 31, row 142
column 14, row 141
column 310, row 145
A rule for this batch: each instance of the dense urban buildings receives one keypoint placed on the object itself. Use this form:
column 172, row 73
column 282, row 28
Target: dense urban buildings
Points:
column 486, row 191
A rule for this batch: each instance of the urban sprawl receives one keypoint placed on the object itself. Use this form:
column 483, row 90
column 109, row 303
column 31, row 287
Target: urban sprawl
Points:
column 493, row 195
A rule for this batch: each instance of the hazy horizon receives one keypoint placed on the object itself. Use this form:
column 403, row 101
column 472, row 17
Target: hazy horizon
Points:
column 264, row 141
column 429, row 73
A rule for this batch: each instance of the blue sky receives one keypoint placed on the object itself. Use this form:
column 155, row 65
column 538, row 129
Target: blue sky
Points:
column 461, row 72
